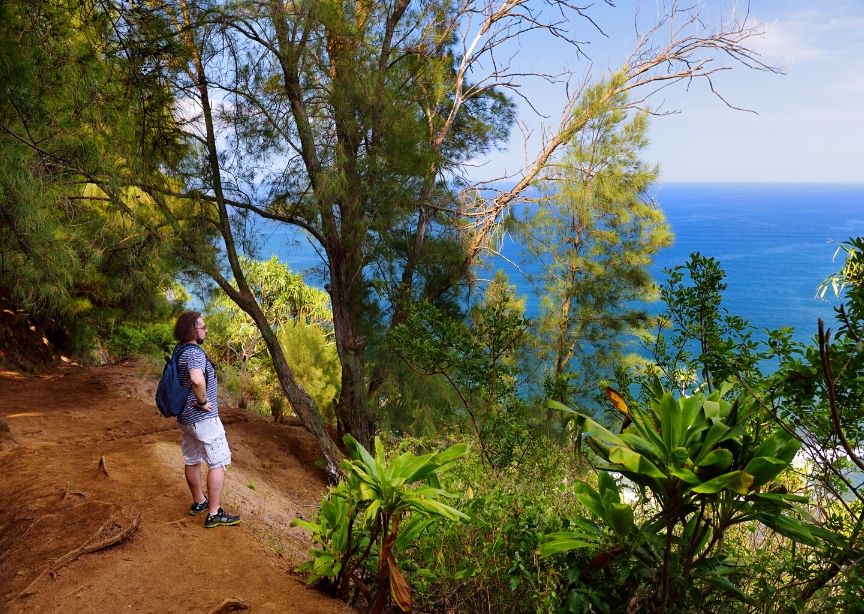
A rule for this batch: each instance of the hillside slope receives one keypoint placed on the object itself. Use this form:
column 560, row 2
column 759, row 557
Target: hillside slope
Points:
column 94, row 507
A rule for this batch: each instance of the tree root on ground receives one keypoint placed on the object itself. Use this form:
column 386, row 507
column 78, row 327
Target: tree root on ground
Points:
column 103, row 466
column 110, row 533
column 35, row 522
column 230, row 605
column 71, row 490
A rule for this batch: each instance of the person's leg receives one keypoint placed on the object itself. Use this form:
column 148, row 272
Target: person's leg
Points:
column 193, row 479
column 218, row 457
column 215, row 479
column 194, row 454
column 211, row 433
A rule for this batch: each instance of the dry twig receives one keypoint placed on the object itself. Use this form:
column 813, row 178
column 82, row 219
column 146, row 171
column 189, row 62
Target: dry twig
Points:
column 103, row 466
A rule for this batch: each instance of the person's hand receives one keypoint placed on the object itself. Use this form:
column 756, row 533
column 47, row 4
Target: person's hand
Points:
column 206, row 407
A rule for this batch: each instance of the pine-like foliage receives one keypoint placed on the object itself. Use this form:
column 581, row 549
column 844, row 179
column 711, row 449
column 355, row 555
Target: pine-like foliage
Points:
column 594, row 232
column 81, row 254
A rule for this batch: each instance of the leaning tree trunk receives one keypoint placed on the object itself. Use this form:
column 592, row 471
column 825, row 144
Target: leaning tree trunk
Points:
column 347, row 233
column 242, row 296
column 302, row 404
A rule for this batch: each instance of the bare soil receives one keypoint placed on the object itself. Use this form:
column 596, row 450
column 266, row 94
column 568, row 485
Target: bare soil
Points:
column 94, row 509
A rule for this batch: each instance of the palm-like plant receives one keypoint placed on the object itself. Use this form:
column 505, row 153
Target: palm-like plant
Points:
column 376, row 511
column 708, row 465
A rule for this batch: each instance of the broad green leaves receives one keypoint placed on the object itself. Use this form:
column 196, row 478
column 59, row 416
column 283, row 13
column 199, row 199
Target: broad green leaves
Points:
column 634, row 462
column 736, row 481
column 378, row 498
column 330, row 536
column 691, row 439
column 696, row 457
column 604, row 504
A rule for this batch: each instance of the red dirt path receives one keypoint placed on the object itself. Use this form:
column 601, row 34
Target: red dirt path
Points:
column 57, row 504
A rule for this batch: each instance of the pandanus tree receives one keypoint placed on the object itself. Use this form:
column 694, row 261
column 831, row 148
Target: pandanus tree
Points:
column 704, row 464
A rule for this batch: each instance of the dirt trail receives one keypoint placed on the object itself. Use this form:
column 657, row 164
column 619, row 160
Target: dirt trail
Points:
column 59, row 509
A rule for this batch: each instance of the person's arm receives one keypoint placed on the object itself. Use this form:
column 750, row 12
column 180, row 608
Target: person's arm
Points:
column 199, row 388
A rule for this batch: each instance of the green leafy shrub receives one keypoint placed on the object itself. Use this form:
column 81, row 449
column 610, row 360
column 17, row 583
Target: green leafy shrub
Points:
column 376, row 512
column 815, row 395
column 477, row 358
column 300, row 315
column 491, row 563
column 229, row 380
column 507, row 435
column 312, row 356
column 702, row 344
column 130, row 338
column 705, row 465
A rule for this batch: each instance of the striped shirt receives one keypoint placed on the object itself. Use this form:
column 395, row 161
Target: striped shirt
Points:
column 193, row 357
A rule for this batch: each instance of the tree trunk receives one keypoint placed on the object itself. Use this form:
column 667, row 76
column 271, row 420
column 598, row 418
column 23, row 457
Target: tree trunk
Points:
column 301, row 402
column 352, row 408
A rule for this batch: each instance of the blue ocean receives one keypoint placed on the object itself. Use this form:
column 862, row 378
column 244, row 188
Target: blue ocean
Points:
column 776, row 243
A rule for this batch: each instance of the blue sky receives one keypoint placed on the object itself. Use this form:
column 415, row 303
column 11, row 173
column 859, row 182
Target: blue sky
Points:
column 808, row 125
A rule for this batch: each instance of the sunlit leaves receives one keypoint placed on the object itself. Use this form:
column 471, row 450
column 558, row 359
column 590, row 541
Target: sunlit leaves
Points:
column 387, row 501
column 594, row 233
column 300, row 314
column 83, row 255
column 696, row 458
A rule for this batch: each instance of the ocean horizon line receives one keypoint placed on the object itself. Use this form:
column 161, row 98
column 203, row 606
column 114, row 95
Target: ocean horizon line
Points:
column 761, row 183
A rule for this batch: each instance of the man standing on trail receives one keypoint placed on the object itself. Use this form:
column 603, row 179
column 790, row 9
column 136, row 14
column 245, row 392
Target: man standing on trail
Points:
column 203, row 434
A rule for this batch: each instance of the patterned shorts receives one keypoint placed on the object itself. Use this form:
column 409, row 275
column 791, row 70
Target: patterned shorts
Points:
column 205, row 442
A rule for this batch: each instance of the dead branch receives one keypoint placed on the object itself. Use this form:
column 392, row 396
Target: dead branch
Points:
column 686, row 54
column 34, row 523
column 100, row 543
column 824, row 349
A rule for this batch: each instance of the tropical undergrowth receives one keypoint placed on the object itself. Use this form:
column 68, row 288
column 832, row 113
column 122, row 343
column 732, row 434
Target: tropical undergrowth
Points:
column 717, row 488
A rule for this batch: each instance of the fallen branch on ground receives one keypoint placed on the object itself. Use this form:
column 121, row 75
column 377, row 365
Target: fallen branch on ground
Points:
column 95, row 543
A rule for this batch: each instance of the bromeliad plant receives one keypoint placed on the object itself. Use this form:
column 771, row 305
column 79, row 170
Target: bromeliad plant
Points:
column 377, row 510
column 704, row 464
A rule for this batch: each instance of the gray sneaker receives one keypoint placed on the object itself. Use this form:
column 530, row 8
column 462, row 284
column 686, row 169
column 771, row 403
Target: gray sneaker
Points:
column 221, row 519
column 197, row 508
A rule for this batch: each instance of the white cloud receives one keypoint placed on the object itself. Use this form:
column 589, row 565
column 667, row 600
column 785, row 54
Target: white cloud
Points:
column 789, row 42
column 814, row 34
column 853, row 84
column 839, row 24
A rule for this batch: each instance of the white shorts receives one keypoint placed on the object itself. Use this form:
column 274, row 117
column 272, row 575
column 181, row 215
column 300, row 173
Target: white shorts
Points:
column 205, row 442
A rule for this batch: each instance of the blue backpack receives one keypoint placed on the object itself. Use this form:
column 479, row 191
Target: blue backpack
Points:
column 171, row 395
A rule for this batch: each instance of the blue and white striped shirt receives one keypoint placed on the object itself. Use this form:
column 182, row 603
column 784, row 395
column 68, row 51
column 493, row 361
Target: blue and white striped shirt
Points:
column 193, row 357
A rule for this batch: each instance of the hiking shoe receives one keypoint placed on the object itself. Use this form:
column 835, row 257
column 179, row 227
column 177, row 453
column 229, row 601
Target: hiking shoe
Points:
column 221, row 519
column 197, row 508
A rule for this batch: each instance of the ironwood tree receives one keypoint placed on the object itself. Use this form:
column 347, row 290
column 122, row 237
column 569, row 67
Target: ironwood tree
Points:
column 352, row 121
column 593, row 234
column 78, row 108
